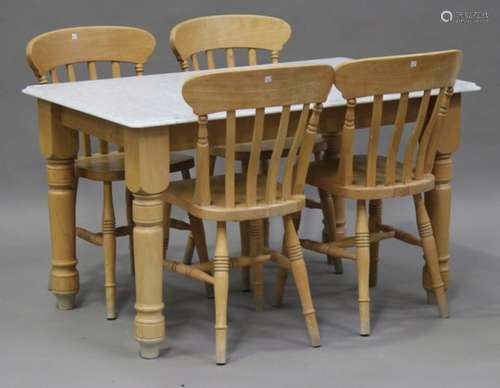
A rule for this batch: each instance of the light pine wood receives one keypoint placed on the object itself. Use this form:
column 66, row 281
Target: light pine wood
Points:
column 211, row 200
column 147, row 151
column 256, row 247
column 438, row 203
column 299, row 272
column 374, row 176
column 221, row 286
column 363, row 266
column 59, row 147
column 183, row 137
column 109, row 250
column 231, row 33
column 228, row 197
column 375, row 221
column 431, row 254
column 63, row 49
column 228, row 32
column 129, row 198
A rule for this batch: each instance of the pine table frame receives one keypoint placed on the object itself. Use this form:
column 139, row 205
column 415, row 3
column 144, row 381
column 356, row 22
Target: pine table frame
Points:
column 147, row 176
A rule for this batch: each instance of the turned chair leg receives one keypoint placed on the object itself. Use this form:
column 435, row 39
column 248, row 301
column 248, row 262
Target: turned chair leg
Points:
column 299, row 272
column 245, row 251
column 245, row 241
column 130, row 222
column 375, row 219
column 109, row 250
column 329, row 232
column 431, row 254
column 281, row 277
column 256, row 246
column 198, row 232
column 282, row 274
column 221, row 286
column 167, row 208
column 189, row 251
column 211, row 168
column 363, row 266
column 279, row 289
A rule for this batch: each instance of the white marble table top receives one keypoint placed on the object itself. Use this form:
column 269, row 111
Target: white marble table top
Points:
column 156, row 100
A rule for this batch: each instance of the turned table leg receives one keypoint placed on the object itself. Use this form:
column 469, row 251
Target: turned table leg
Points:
column 61, row 200
column 148, row 255
column 59, row 146
column 147, row 175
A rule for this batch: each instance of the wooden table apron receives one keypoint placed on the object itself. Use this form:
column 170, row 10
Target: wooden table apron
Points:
column 147, row 176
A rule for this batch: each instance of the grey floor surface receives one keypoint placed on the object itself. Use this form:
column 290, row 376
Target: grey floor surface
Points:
column 410, row 345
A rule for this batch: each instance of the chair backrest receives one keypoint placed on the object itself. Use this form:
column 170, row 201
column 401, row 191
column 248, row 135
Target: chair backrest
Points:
column 402, row 74
column 269, row 86
column 194, row 37
column 69, row 46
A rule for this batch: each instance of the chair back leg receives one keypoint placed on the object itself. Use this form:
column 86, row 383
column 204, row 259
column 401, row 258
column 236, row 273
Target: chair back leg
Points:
column 375, row 219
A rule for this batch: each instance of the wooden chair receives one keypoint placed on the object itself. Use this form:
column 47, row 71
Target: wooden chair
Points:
column 251, row 196
column 89, row 45
column 205, row 37
column 375, row 177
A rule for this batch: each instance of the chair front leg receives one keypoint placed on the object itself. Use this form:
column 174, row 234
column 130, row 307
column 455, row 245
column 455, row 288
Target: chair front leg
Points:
column 363, row 267
column 109, row 249
column 299, row 272
column 221, row 285
column 256, row 246
column 200, row 243
column 431, row 254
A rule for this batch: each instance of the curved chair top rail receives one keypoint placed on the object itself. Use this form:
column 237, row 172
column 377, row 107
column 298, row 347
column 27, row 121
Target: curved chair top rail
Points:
column 232, row 89
column 398, row 73
column 209, row 33
column 88, row 44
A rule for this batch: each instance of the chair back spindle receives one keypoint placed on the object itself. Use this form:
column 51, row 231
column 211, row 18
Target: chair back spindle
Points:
column 285, row 86
column 403, row 74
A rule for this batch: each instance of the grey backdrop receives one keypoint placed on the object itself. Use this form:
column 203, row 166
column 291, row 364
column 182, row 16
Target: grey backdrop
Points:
column 409, row 345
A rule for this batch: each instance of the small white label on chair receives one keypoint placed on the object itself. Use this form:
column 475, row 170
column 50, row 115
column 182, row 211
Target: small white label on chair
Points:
column 74, row 36
column 413, row 64
column 268, row 79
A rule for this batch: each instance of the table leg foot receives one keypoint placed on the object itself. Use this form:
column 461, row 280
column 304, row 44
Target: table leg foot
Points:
column 65, row 301
column 150, row 351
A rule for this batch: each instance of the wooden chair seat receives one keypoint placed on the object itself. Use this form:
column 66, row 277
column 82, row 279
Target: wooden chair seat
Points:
column 111, row 167
column 181, row 194
column 323, row 174
column 243, row 150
